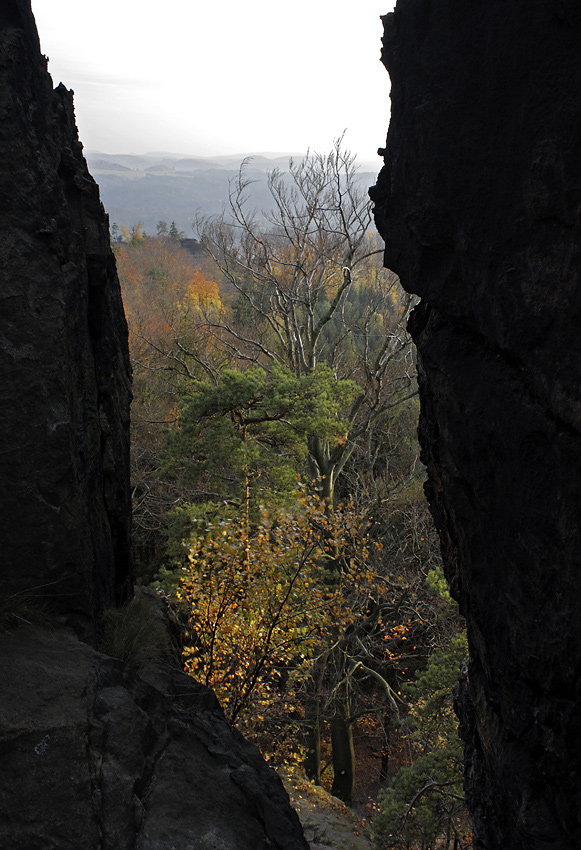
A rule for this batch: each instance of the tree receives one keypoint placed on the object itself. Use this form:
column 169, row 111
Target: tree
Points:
column 262, row 613
column 242, row 438
column 302, row 373
column 309, row 271
column 392, row 616
column 164, row 292
column 246, row 434
column 135, row 236
column 175, row 233
column 424, row 805
column 310, row 293
column 254, row 605
column 370, row 623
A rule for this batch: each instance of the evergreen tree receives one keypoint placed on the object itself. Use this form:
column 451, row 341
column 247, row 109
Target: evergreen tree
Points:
column 248, row 432
column 424, row 805
column 174, row 232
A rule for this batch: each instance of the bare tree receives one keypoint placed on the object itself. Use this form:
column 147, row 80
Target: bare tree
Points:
column 310, row 290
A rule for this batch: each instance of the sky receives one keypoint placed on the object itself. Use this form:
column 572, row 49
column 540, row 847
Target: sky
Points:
column 211, row 77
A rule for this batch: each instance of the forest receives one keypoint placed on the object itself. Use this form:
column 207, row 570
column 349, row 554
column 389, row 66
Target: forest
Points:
column 278, row 493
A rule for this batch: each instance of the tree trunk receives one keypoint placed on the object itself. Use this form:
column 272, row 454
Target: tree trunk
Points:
column 322, row 472
column 246, row 563
column 312, row 761
column 384, row 768
column 328, row 488
column 343, row 759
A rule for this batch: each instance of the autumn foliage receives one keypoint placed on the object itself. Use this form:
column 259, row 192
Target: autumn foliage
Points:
column 166, row 293
column 278, row 487
column 162, row 287
column 256, row 608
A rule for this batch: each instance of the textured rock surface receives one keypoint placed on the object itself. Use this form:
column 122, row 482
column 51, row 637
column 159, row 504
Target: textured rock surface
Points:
column 479, row 204
column 327, row 822
column 95, row 757
column 65, row 386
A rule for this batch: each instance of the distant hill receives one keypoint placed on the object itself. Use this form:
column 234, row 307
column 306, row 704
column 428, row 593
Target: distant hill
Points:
column 104, row 165
column 162, row 187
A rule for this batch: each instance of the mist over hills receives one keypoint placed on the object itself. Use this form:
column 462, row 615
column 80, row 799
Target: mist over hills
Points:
column 151, row 187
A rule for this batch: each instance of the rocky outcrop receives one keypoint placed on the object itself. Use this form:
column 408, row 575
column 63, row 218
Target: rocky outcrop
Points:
column 65, row 391
column 479, row 204
column 93, row 756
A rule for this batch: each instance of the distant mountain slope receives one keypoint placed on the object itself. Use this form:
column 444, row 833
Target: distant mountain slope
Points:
column 158, row 186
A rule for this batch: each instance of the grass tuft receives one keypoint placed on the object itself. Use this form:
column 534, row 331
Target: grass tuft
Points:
column 135, row 634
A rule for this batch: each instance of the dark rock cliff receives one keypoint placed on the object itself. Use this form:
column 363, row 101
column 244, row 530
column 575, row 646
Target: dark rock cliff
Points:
column 64, row 412
column 479, row 203
column 93, row 752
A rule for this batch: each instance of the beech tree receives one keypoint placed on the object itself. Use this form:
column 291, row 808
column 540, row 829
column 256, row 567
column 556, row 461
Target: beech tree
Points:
column 289, row 647
column 298, row 271
column 254, row 606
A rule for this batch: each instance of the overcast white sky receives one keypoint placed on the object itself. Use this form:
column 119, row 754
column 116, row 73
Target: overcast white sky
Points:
column 220, row 76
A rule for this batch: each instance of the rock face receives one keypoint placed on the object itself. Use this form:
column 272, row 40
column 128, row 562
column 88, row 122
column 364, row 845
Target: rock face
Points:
column 95, row 757
column 479, row 204
column 93, row 753
column 65, row 390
